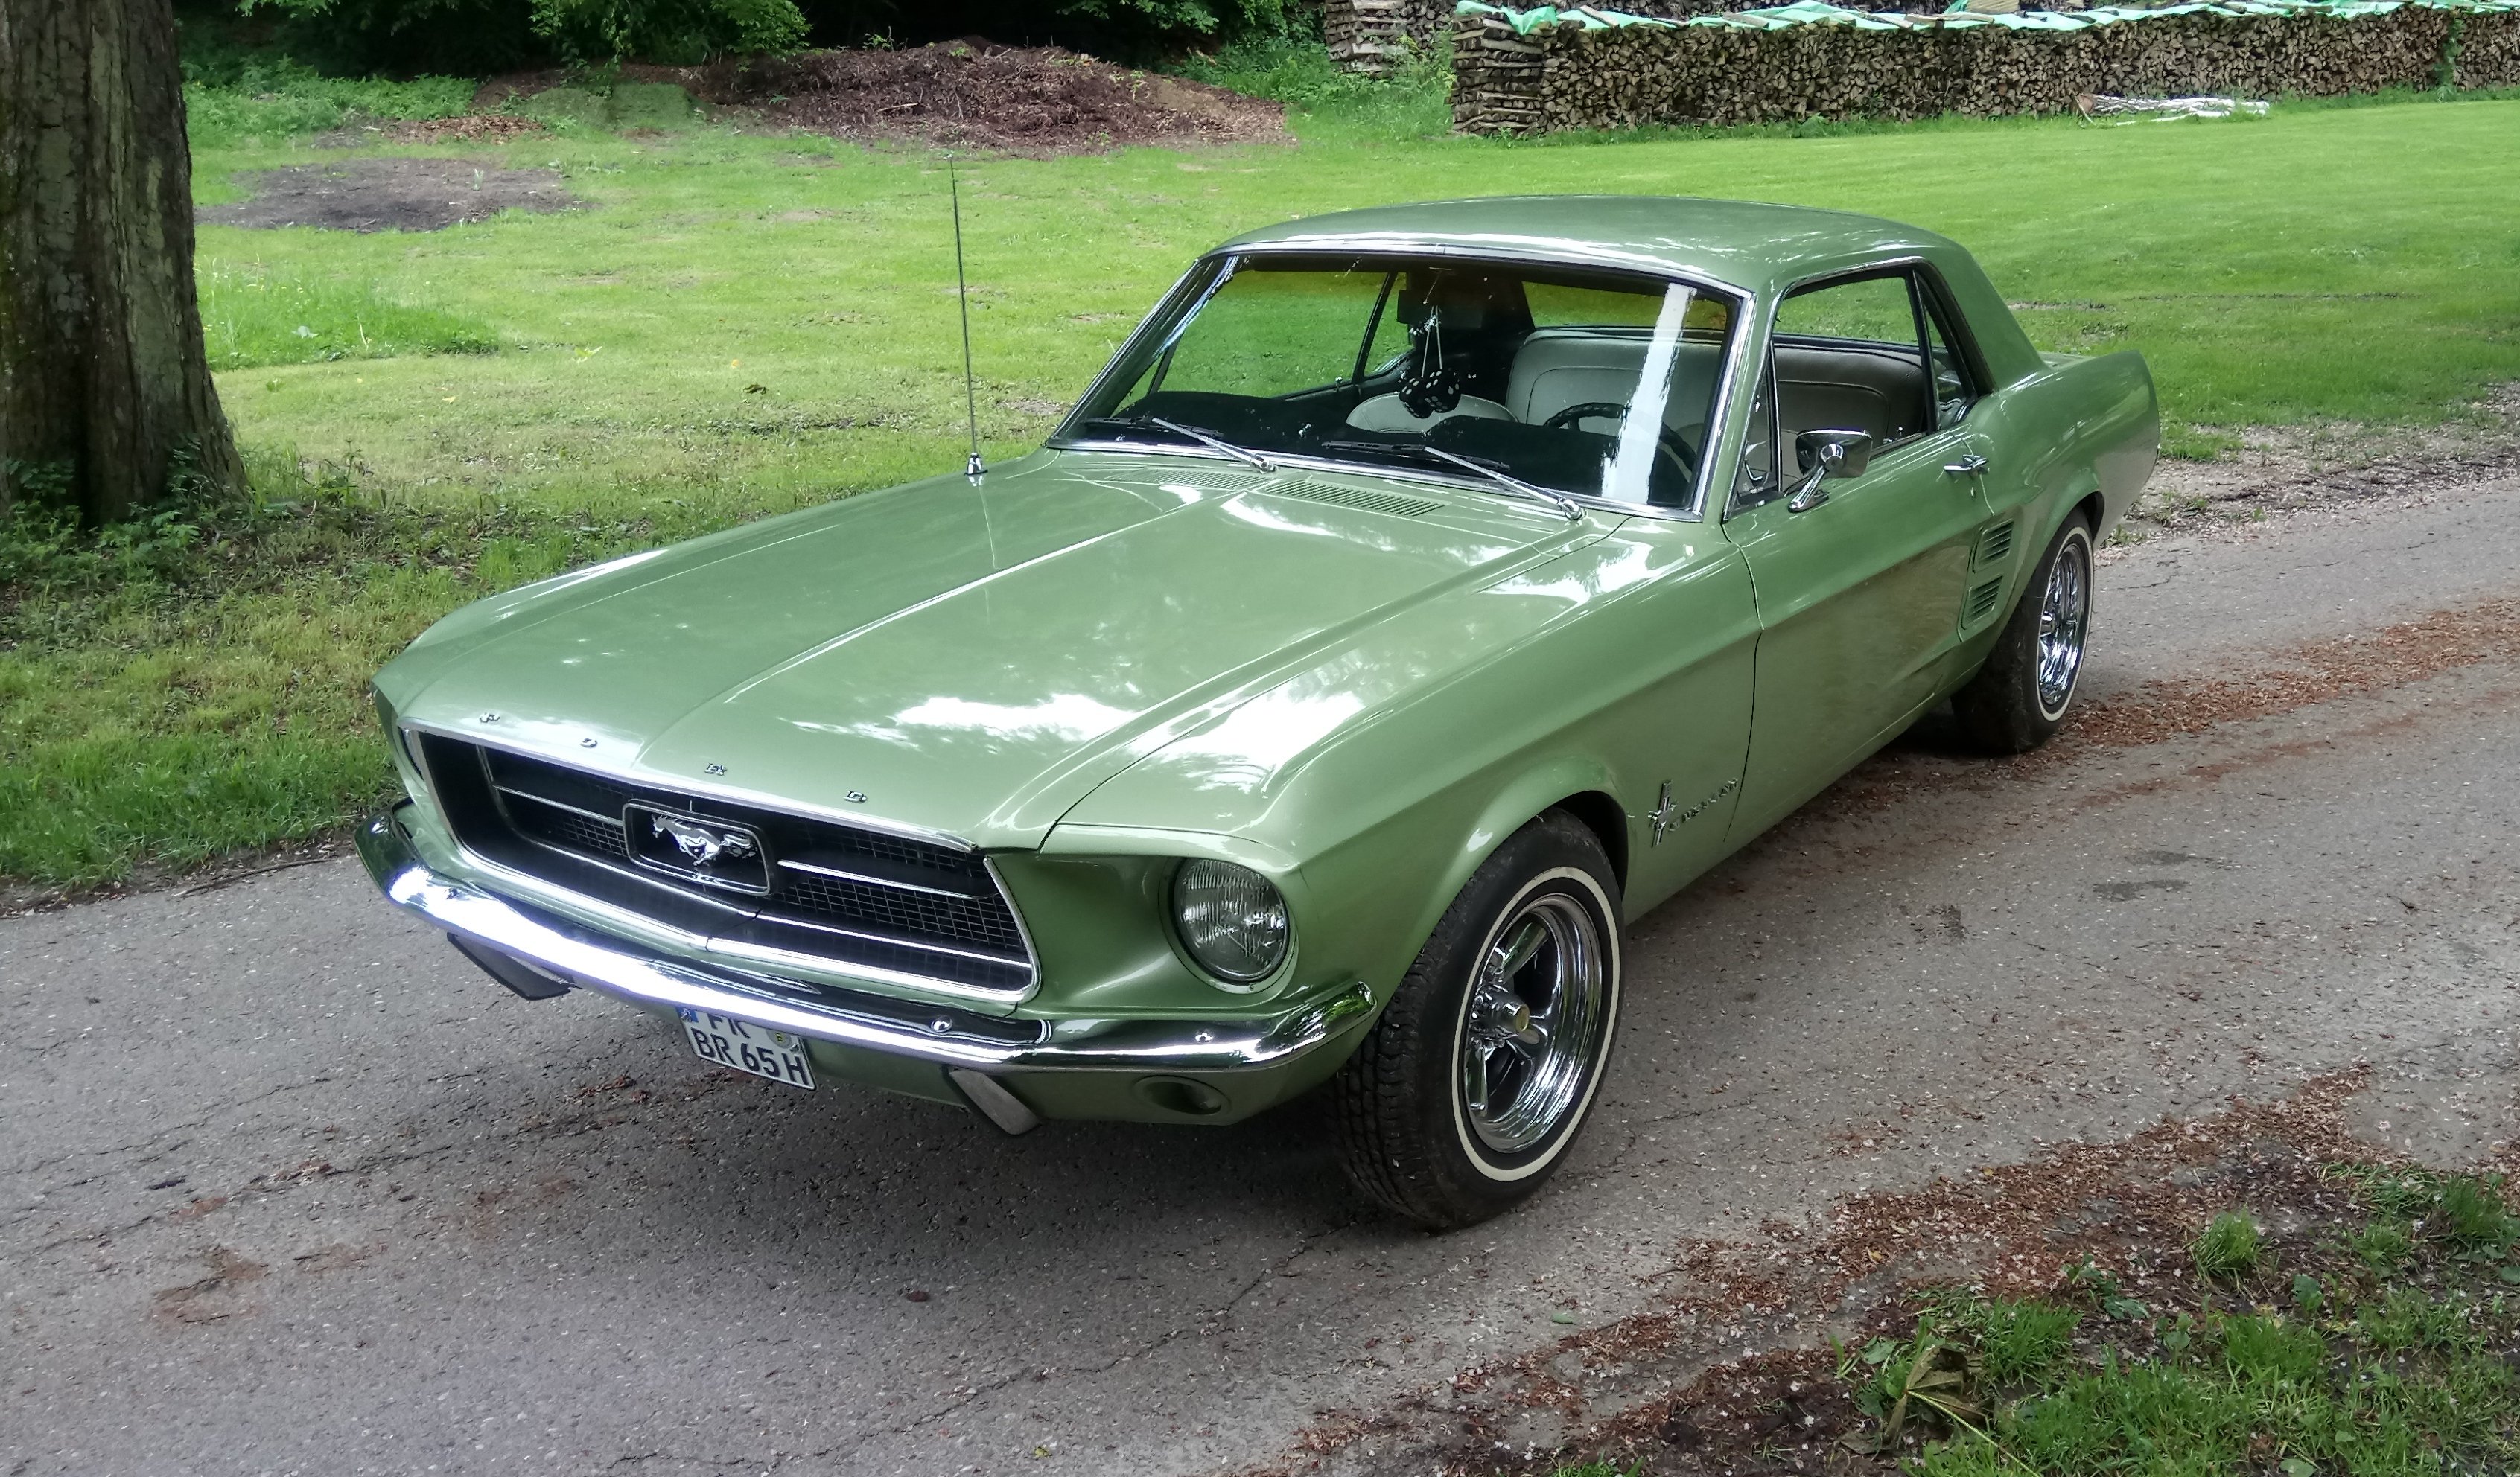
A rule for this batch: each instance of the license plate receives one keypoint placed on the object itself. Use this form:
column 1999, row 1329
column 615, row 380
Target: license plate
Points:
column 748, row 1048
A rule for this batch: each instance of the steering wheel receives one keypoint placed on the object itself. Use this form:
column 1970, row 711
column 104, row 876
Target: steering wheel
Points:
column 1670, row 440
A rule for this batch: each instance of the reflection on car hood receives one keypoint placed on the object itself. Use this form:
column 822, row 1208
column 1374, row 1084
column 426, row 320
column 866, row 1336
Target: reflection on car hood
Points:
column 967, row 659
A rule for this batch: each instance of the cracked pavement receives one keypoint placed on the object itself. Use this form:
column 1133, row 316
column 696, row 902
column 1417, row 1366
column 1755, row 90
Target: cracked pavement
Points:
column 290, row 1187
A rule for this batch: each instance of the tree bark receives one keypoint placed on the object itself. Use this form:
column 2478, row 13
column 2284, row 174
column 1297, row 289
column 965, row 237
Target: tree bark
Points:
column 105, row 399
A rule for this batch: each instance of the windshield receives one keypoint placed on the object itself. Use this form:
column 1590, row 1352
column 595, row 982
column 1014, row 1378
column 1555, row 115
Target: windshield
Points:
column 1528, row 371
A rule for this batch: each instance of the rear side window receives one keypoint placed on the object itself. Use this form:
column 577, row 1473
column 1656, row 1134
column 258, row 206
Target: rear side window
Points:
column 1874, row 310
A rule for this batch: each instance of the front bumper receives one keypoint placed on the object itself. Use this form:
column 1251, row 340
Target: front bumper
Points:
column 1247, row 1063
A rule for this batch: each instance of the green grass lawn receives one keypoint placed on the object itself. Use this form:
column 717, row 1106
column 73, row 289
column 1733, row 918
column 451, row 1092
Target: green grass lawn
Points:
column 740, row 323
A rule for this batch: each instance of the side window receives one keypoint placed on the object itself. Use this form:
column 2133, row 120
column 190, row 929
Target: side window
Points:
column 1952, row 396
column 1848, row 356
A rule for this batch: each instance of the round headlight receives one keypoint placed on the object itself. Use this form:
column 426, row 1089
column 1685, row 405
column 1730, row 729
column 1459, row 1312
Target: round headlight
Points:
column 1232, row 920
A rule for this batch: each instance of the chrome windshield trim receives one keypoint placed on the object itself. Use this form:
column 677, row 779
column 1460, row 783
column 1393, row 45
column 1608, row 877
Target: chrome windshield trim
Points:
column 1224, row 260
column 872, row 1023
column 1592, row 256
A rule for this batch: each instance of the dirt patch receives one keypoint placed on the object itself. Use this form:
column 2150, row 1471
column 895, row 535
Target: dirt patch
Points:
column 1734, row 1370
column 516, row 86
column 2319, row 671
column 2300, row 469
column 213, row 1298
column 970, row 94
column 470, row 128
column 388, row 195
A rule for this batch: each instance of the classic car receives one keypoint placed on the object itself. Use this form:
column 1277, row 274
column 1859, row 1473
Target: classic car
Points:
column 1419, row 596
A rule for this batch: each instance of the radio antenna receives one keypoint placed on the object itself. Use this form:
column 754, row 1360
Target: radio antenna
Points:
column 963, row 295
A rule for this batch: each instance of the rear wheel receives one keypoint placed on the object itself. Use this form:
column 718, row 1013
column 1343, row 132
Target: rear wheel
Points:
column 1484, row 1065
column 2019, row 699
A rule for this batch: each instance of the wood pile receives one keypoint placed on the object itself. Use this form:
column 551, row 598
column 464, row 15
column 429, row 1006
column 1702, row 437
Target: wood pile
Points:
column 2489, row 49
column 1563, row 76
column 1367, row 35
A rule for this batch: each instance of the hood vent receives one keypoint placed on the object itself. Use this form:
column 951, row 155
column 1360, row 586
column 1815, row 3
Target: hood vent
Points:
column 1395, row 504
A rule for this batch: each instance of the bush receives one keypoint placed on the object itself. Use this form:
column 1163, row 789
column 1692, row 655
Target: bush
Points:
column 1414, row 100
column 669, row 30
column 277, row 98
column 499, row 35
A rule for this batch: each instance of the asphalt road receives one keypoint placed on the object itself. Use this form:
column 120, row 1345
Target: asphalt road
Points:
column 287, row 1187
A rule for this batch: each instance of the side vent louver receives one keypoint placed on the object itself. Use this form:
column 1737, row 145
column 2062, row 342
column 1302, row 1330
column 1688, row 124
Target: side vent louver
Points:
column 1995, row 545
column 1982, row 601
column 1395, row 504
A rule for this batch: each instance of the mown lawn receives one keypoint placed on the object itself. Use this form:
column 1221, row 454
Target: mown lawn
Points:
column 736, row 325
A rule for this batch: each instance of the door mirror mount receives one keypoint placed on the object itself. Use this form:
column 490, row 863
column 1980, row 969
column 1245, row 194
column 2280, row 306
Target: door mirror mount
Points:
column 1828, row 453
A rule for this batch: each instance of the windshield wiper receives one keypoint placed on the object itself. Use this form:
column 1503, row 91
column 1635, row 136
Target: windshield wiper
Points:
column 1208, row 439
column 1565, row 505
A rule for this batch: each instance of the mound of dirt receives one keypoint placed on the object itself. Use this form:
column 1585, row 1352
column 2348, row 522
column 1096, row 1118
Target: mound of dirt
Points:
column 387, row 195
column 1025, row 100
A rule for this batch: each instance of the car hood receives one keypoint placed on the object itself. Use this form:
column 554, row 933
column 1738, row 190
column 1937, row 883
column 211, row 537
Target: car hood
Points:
column 965, row 659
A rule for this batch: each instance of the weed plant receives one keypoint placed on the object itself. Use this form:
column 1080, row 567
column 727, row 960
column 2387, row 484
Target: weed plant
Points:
column 2227, row 1246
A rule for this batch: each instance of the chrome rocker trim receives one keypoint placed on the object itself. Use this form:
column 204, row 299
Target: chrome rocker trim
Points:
column 922, row 1033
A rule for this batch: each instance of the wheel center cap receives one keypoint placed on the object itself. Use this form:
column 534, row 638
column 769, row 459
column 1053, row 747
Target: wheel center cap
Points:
column 1518, row 1019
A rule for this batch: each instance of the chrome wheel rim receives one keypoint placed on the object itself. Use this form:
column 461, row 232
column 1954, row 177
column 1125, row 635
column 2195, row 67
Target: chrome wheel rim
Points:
column 2064, row 614
column 1532, row 1024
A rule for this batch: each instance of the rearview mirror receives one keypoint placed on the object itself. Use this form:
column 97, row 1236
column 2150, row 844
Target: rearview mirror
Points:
column 1828, row 453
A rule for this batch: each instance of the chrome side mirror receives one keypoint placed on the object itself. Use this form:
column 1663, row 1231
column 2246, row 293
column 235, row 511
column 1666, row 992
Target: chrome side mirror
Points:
column 1828, row 453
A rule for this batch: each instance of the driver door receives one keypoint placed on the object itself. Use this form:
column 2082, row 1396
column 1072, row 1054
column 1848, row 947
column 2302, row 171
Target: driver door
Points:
column 1859, row 595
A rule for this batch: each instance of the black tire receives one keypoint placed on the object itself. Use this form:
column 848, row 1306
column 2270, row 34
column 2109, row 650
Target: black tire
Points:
column 2015, row 702
column 1411, row 1136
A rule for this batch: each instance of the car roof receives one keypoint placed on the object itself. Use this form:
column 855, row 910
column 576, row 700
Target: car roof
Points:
column 1739, row 243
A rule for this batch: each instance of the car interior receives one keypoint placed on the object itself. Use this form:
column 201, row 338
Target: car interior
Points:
column 1456, row 358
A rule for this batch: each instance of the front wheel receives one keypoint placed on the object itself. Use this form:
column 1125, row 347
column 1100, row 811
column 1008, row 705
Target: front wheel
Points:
column 1482, row 1068
column 2018, row 699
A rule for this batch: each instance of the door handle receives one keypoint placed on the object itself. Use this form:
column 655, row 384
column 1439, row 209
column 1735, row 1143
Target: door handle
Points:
column 1966, row 467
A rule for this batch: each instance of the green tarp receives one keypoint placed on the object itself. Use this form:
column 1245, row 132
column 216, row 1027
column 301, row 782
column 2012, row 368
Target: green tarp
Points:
column 1819, row 12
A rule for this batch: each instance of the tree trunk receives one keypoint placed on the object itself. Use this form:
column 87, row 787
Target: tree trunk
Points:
column 105, row 399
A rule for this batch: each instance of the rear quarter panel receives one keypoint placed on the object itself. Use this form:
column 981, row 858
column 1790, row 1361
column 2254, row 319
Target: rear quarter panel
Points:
column 2053, row 438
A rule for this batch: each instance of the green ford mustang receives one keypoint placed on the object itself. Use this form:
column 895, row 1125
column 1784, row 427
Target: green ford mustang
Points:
column 1421, row 594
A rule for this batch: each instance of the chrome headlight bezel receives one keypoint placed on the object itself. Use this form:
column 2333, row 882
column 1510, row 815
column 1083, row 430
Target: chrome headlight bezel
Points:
column 1240, row 953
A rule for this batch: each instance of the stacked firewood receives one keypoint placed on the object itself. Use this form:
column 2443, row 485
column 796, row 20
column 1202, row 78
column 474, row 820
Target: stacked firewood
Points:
column 1367, row 35
column 1563, row 76
column 2489, row 49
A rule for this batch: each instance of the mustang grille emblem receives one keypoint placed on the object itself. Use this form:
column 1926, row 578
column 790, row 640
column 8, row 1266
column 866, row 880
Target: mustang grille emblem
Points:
column 700, row 844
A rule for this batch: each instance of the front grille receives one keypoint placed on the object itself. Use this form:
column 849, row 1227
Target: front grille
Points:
column 735, row 873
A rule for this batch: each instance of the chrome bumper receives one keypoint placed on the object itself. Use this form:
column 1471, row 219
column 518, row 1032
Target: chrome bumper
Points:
column 948, row 1037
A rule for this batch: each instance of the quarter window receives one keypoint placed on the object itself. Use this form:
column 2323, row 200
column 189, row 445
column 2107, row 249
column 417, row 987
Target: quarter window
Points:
column 1952, row 395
